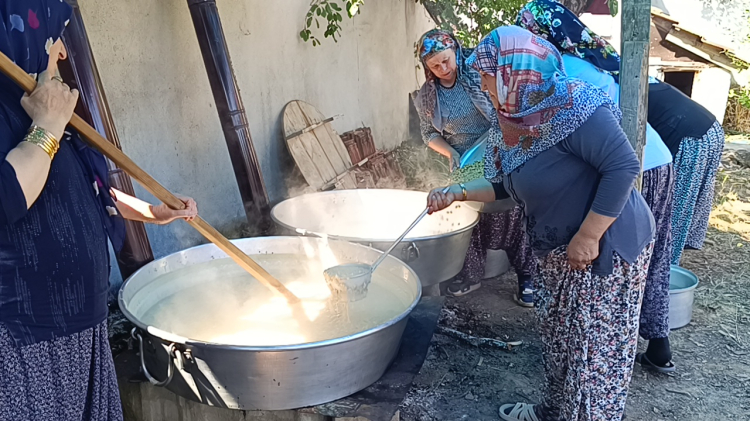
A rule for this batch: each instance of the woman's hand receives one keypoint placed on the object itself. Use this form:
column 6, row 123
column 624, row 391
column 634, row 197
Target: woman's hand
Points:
column 437, row 200
column 455, row 160
column 582, row 251
column 163, row 214
column 51, row 104
column 584, row 247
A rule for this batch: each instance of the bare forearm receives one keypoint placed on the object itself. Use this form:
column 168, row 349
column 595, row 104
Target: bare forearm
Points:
column 133, row 208
column 479, row 190
column 31, row 164
column 441, row 146
column 595, row 225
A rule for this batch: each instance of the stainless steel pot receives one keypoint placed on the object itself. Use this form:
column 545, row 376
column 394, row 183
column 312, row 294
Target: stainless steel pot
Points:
column 682, row 285
column 435, row 249
column 263, row 377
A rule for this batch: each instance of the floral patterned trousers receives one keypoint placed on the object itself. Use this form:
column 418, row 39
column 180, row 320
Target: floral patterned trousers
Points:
column 589, row 329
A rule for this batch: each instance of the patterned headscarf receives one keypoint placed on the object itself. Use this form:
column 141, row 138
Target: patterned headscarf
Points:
column 435, row 42
column 541, row 106
column 30, row 28
column 558, row 25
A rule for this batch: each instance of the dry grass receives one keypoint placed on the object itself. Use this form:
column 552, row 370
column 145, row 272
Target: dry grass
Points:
column 732, row 203
column 737, row 117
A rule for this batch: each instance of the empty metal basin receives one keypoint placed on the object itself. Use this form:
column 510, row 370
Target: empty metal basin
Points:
column 682, row 284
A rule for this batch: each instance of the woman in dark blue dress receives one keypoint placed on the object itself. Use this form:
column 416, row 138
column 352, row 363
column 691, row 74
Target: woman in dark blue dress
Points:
column 56, row 214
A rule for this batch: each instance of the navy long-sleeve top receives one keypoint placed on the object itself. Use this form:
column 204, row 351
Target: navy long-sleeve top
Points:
column 675, row 116
column 54, row 260
column 594, row 169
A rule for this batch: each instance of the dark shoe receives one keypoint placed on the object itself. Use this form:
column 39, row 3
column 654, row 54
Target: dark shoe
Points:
column 525, row 295
column 643, row 360
column 459, row 288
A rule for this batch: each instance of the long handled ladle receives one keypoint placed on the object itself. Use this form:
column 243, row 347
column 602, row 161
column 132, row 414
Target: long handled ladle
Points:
column 353, row 279
column 28, row 84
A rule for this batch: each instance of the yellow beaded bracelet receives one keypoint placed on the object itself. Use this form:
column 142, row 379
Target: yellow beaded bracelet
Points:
column 44, row 139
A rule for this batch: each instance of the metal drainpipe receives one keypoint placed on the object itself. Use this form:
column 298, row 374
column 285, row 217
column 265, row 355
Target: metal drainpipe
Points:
column 232, row 115
column 94, row 108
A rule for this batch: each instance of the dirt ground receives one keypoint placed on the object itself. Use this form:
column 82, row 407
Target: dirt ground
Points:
column 712, row 354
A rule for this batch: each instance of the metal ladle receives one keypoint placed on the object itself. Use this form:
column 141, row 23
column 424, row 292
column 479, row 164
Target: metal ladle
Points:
column 353, row 279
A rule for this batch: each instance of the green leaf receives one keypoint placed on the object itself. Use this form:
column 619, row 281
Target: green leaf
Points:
column 309, row 21
column 335, row 7
column 353, row 7
column 614, row 7
column 304, row 35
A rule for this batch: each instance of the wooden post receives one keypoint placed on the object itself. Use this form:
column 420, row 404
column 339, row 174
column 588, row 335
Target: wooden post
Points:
column 636, row 26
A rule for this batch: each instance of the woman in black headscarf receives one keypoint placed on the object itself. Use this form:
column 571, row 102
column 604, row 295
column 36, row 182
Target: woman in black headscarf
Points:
column 56, row 214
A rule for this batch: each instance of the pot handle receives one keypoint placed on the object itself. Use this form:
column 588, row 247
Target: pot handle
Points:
column 170, row 364
column 410, row 253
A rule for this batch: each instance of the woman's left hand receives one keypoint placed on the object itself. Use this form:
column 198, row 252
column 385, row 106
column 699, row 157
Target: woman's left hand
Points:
column 163, row 214
column 582, row 251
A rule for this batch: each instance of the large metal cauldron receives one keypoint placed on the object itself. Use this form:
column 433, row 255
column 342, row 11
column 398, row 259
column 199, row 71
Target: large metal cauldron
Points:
column 263, row 377
column 435, row 249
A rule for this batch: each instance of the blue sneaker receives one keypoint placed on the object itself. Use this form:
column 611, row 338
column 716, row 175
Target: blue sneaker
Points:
column 525, row 295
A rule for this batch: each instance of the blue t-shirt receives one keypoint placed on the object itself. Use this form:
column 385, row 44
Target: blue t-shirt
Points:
column 656, row 152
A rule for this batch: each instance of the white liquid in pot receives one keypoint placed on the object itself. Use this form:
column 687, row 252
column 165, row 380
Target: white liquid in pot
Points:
column 219, row 302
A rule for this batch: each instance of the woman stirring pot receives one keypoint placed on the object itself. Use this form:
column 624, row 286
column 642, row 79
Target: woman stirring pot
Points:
column 56, row 214
column 455, row 115
column 565, row 160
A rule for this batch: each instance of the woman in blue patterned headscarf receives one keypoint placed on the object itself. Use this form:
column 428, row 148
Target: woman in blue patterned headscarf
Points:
column 595, row 61
column 565, row 160
column 454, row 115
column 56, row 215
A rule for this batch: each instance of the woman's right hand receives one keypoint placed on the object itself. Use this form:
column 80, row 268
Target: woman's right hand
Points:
column 455, row 159
column 437, row 200
column 51, row 104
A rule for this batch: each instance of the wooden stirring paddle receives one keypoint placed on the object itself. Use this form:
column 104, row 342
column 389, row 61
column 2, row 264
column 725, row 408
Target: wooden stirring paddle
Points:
column 109, row 150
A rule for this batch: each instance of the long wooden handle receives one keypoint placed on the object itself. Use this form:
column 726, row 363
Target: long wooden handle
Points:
column 109, row 150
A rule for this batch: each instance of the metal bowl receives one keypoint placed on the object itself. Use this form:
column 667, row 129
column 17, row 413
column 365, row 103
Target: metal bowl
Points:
column 263, row 377
column 682, row 285
column 435, row 249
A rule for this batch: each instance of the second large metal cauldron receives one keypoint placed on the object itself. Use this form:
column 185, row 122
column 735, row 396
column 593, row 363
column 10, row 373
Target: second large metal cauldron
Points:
column 435, row 249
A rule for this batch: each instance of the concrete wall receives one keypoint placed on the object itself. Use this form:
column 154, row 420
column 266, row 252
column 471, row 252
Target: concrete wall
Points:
column 608, row 27
column 156, row 83
column 711, row 90
column 722, row 21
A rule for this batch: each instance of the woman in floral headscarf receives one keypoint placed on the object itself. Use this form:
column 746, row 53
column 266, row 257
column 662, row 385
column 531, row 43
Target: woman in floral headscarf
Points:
column 562, row 28
column 57, row 213
column 454, row 115
column 565, row 160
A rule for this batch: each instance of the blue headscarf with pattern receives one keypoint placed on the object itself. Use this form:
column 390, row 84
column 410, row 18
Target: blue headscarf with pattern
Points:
column 539, row 105
column 30, row 28
column 561, row 27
